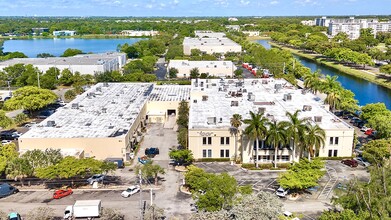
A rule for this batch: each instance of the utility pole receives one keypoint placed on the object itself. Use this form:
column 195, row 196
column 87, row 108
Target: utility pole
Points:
column 151, row 197
column 283, row 69
column 141, row 201
column 39, row 85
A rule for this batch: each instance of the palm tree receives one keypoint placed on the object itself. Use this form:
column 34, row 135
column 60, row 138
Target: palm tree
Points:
column 295, row 129
column 313, row 81
column 276, row 135
column 330, row 83
column 256, row 129
column 333, row 98
column 314, row 139
column 236, row 122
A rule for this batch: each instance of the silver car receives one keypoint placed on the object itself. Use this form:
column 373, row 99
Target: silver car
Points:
column 362, row 162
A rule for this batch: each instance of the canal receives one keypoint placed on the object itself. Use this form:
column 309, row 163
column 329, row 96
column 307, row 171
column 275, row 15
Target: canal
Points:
column 365, row 92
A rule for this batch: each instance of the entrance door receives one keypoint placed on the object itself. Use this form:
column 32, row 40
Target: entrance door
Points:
column 171, row 112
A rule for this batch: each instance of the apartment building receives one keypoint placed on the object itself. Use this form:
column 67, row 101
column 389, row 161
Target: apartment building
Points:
column 133, row 33
column 64, row 33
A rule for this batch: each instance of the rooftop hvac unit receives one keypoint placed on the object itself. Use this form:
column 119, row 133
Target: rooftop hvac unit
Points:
column 317, row 118
column 202, row 84
column 264, row 81
column 204, row 98
column 51, row 123
column 99, row 89
column 277, row 86
column 207, row 81
column 261, row 110
column 307, row 108
column 234, row 103
column 211, row 120
column 104, row 110
column 207, row 86
column 251, row 97
column 244, row 90
column 221, row 120
column 287, row 97
column 75, row 106
column 106, row 84
column 214, row 84
column 195, row 101
column 303, row 91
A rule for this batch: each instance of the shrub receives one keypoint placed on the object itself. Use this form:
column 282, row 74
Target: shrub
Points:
column 213, row 160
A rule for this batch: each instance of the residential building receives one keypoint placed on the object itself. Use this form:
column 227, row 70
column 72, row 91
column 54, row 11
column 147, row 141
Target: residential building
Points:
column 64, row 33
column 210, row 45
column 107, row 120
column 323, row 21
column 39, row 31
column 83, row 63
column 214, row 101
column 251, row 33
column 233, row 19
column 233, row 27
column 212, row 68
column 308, row 22
column 351, row 29
column 133, row 33
column 352, row 26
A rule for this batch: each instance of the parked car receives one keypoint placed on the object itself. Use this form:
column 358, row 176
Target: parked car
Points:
column 4, row 142
column 369, row 131
column 152, row 151
column 143, row 159
column 281, row 192
column 364, row 128
column 6, row 190
column 362, row 161
column 14, row 216
column 31, row 124
column 131, row 191
column 61, row 193
column 350, row 162
column 6, row 135
column 96, row 178
column 117, row 161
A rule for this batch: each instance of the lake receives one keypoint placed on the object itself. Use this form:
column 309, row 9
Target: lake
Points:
column 365, row 91
column 57, row 46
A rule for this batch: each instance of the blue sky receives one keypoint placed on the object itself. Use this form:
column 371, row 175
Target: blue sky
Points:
column 173, row 8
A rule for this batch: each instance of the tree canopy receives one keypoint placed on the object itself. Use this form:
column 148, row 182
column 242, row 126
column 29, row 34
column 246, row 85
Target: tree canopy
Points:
column 30, row 98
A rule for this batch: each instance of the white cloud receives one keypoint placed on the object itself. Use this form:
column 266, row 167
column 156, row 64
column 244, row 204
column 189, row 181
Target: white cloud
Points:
column 149, row 6
column 306, row 2
column 274, row 2
column 243, row 2
column 223, row 3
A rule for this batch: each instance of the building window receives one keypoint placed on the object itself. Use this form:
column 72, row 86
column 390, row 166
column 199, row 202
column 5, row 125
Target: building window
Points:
column 227, row 140
column 265, row 158
column 330, row 153
column 331, row 140
column 285, row 157
column 224, row 140
column 335, row 153
column 221, row 153
column 226, row 153
column 203, row 153
column 336, row 140
column 209, row 153
column 206, row 140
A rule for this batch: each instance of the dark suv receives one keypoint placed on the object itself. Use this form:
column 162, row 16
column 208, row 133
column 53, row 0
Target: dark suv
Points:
column 350, row 162
column 151, row 151
column 8, row 136
column 6, row 190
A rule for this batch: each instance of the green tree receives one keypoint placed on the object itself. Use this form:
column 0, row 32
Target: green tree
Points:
column 312, row 81
column 369, row 110
column 111, row 214
column 194, row 73
column 256, row 130
column 44, row 55
column 150, row 170
column 182, row 137
column 41, row 213
column 21, row 118
column 314, row 139
column 302, row 175
column 30, row 98
column 49, row 80
column 18, row 168
column 346, row 214
column 7, row 153
column 184, row 156
column 377, row 151
column 71, row 52
column 70, row 95
column 154, row 213
column 386, row 69
column 172, row 72
column 183, row 114
column 276, row 136
column 382, row 124
column 238, row 73
column 42, row 159
column 236, row 122
column 5, row 121
column 66, row 77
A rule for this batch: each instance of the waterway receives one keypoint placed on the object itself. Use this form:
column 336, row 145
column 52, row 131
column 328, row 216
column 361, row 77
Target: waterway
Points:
column 365, row 92
column 57, row 46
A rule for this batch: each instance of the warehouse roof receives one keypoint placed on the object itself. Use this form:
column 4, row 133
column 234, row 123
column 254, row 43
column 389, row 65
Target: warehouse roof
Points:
column 170, row 93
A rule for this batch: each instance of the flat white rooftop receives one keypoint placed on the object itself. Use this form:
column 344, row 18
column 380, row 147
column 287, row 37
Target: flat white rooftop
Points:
column 209, row 34
column 214, row 101
column 209, row 42
column 180, row 64
column 82, row 59
column 105, row 110
column 169, row 93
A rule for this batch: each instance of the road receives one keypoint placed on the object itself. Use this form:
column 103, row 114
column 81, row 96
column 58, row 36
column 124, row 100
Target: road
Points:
column 161, row 70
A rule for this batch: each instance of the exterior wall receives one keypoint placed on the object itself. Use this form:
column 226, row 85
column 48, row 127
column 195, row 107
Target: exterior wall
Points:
column 345, row 143
column 100, row 148
column 64, row 33
column 162, row 107
column 196, row 142
column 251, row 33
column 133, row 33
column 184, row 71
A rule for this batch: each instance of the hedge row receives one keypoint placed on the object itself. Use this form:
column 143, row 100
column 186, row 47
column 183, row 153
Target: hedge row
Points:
column 213, row 160
column 266, row 166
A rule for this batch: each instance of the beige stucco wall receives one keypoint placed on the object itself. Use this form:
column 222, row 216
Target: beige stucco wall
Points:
column 345, row 143
column 221, row 71
column 212, row 49
column 158, row 109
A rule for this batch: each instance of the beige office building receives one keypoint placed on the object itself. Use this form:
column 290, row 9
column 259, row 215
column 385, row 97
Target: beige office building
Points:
column 210, row 45
column 107, row 120
column 212, row 68
column 214, row 101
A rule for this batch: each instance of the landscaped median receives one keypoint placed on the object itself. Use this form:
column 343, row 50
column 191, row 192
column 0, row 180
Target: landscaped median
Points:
column 371, row 77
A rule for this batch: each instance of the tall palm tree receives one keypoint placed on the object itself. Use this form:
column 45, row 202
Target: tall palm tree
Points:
column 314, row 139
column 330, row 83
column 295, row 129
column 276, row 135
column 313, row 81
column 256, row 129
column 333, row 98
column 236, row 122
